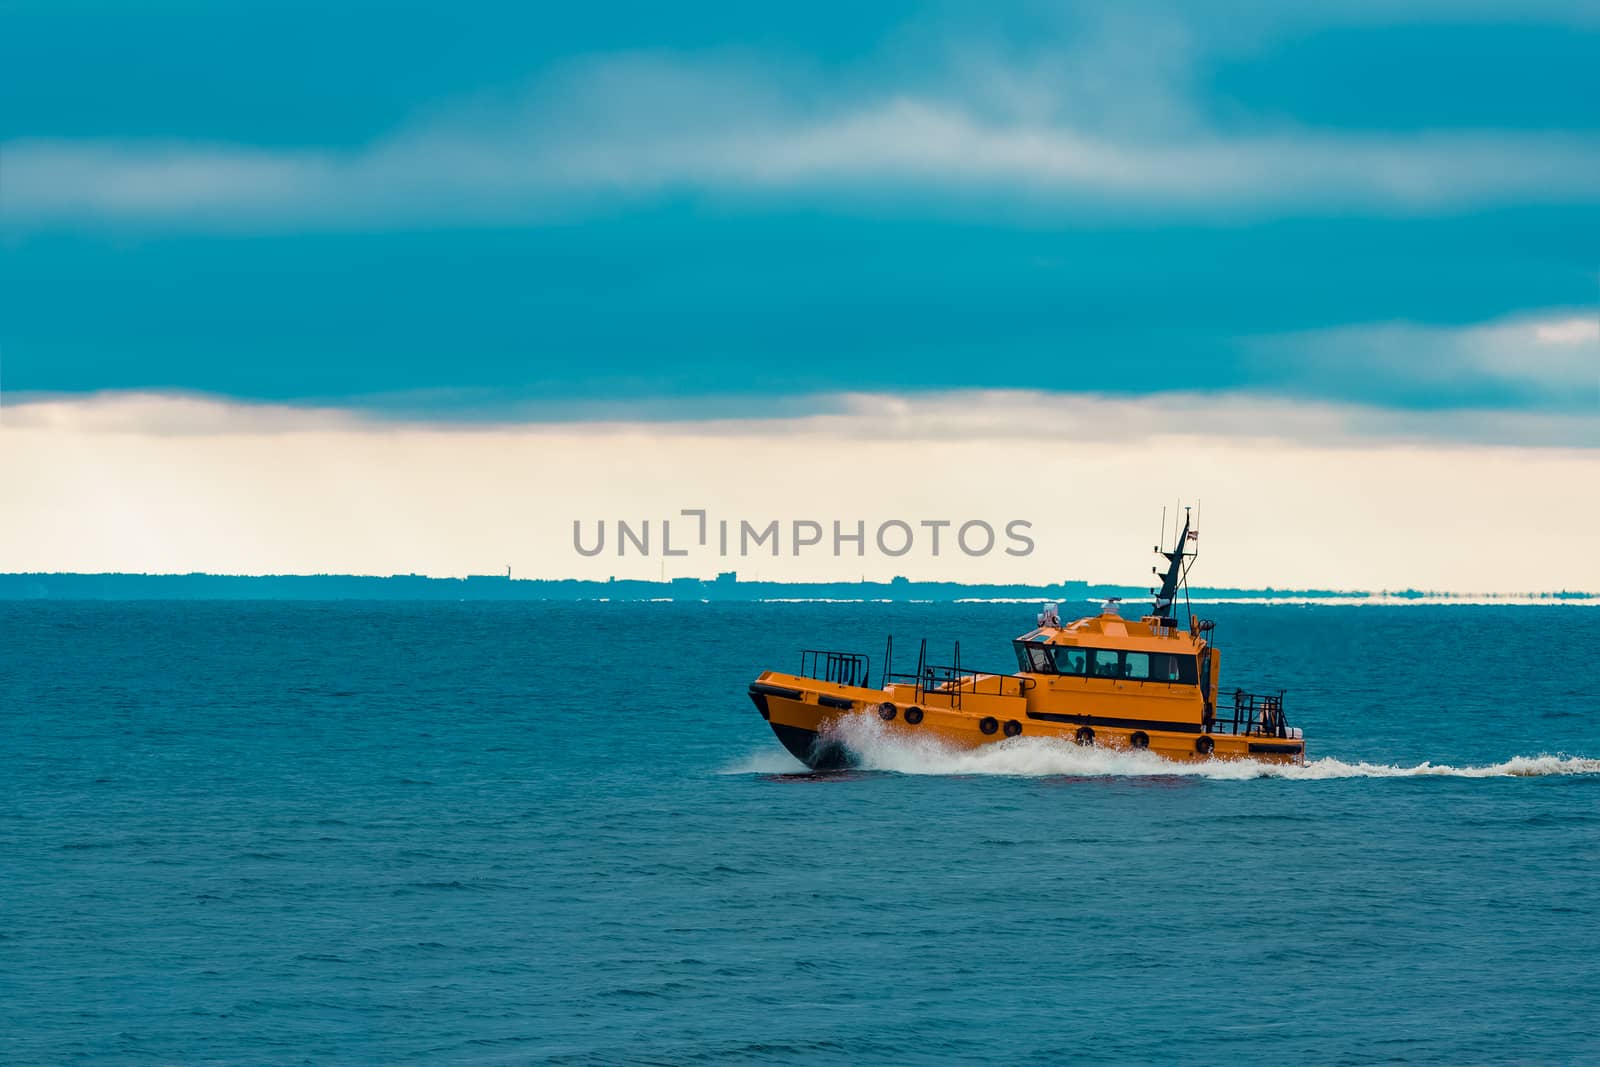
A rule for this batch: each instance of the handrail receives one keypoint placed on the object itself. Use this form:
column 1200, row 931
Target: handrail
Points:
column 1255, row 715
column 840, row 668
column 952, row 681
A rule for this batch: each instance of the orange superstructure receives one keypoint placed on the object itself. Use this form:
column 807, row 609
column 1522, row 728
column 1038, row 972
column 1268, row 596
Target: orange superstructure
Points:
column 1101, row 680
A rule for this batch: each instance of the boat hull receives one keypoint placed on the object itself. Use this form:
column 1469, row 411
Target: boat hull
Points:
column 803, row 711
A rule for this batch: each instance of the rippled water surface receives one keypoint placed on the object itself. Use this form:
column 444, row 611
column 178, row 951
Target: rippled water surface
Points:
column 503, row 833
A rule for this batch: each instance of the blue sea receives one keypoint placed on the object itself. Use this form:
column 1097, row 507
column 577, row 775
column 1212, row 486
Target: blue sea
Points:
column 266, row 833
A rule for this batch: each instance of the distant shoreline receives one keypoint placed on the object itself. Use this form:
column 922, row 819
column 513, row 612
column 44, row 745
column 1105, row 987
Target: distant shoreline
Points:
column 724, row 588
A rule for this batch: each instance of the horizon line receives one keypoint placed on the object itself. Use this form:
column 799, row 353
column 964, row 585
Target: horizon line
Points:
column 898, row 583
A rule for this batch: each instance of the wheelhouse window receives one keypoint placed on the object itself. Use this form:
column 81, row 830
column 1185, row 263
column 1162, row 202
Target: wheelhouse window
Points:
column 1071, row 660
column 1034, row 659
column 1136, row 665
column 1167, row 667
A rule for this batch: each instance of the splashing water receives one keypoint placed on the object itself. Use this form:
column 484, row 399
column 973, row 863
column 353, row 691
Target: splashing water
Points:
column 879, row 749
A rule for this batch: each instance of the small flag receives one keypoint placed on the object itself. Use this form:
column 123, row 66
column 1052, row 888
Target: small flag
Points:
column 1194, row 535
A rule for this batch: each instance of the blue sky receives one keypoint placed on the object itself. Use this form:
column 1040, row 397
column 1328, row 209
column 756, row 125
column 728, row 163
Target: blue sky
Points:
column 486, row 208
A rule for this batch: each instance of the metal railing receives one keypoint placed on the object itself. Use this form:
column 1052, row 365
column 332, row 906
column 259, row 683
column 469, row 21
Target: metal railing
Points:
column 840, row 668
column 1254, row 714
column 947, row 681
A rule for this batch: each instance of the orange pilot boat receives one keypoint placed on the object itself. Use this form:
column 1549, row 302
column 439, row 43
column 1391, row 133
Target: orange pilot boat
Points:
column 1150, row 684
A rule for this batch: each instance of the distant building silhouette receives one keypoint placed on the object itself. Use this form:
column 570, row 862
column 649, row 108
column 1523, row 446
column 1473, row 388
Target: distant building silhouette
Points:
column 725, row 587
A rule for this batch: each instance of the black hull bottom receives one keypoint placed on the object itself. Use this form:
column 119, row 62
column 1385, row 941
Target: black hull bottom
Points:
column 818, row 753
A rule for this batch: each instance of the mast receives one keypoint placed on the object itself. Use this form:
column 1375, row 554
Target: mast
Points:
column 1174, row 576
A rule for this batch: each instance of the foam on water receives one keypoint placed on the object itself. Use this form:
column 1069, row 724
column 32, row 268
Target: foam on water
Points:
column 879, row 749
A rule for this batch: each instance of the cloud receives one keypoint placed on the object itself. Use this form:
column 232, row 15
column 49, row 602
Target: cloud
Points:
column 1528, row 380
column 1574, row 331
column 1040, row 132
column 63, row 179
column 1017, row 417
column 1550, row 359
column 170, row 414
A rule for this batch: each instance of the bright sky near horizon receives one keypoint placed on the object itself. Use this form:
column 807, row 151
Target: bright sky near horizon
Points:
column 392, row 288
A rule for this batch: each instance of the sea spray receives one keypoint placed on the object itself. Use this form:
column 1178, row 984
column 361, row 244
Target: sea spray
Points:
column 877, row 747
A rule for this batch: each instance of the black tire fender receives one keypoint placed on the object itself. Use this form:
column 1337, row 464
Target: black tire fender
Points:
column 1140, row 739
column 913, row 715
column 886, row 712
column 988, row 724
column 1084, row 736
column 1204, row 745
column 1013, row 727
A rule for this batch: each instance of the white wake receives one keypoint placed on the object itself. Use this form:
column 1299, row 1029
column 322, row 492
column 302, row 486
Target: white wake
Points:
column 878, row 749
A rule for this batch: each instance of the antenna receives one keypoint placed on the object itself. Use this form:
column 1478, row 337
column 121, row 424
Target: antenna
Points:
column 1188, row 608
column 1188, row 560
column 1163, row 534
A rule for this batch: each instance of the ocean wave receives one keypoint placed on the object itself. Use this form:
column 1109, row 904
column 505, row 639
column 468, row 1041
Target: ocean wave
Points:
column 878, row 749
